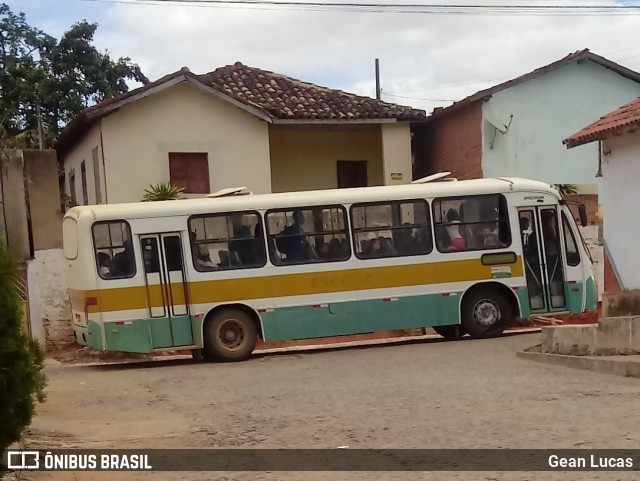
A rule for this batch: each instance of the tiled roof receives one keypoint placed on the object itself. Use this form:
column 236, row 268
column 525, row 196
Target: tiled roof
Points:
column 271, row 96
column 580, row 55
column 284, row 97
column 625, row 119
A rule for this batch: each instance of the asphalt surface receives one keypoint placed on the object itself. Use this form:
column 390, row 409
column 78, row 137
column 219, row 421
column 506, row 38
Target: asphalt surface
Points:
column 430, row 394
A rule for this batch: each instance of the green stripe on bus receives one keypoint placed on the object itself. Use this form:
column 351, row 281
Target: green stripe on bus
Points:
column 575, row 296
column 591, row 295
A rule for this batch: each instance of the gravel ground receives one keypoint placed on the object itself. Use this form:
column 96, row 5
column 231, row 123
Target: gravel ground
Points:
column 434, row 394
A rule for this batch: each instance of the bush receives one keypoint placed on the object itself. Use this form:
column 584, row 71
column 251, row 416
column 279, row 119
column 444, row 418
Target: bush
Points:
column 22, row 379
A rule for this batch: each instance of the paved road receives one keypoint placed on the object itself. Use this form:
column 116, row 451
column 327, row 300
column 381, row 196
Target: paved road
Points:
column 467, row 394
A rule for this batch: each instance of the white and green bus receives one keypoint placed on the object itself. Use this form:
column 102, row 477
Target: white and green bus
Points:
column 212, row 275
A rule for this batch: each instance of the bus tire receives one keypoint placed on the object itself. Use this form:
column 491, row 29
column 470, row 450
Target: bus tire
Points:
column 450, row 333
column 230, row 336
column 486, row 312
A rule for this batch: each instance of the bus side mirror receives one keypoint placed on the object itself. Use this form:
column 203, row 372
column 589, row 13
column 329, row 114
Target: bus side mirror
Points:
column 583, row 215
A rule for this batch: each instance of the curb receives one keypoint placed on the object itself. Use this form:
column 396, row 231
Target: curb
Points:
column 627, row 366
column 291, row 349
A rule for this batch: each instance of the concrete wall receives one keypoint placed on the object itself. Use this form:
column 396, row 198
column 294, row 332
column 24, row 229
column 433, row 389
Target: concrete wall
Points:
column 396, row 153
column 15, row 206
column 545, row 111
column 52, row 296
column 620, row 199
column 306, row 158
column 44, row 198
column 138, row 138
column 451, row 144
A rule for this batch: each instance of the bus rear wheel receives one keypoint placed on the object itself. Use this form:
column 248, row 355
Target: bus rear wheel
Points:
column 450, row 333
column 486, row 312
column 230, row 335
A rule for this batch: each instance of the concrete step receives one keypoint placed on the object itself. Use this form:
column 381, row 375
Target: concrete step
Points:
column 611, row 336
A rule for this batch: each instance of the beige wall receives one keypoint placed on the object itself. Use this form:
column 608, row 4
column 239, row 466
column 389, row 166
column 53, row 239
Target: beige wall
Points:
column 396, row 153
column 83, row 150
column 305, row 159
column 137, row 140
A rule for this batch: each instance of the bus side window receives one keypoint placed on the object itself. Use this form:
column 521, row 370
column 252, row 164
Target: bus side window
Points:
column 114, row 250
column 471, row 223
column 391, row 229
column 231, row 240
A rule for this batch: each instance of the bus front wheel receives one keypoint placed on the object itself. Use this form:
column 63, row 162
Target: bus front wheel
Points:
column 230, row 335
column 486, row 312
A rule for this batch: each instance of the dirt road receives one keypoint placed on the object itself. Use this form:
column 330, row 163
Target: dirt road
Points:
column 467, row 394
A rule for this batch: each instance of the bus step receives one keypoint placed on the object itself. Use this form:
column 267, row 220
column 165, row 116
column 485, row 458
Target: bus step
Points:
column 177, row 348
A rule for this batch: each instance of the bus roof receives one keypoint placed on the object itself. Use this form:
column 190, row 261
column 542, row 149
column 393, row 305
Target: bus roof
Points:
column 312, row 197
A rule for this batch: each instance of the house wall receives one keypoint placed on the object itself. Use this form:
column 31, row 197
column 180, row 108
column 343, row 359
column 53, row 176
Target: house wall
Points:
column 451, row 144
column 396, row 153
column 546, row 110
column 138, row 138
column 306, row 158
column 621, row 171
column 83, row 150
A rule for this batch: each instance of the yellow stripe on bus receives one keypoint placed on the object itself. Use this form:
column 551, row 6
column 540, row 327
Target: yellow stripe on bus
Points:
column 286, row 285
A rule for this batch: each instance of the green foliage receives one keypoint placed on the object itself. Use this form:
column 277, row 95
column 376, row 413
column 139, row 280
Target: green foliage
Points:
column 61, row 76
column 22, row 379
column 162, row 191
column 567, row 189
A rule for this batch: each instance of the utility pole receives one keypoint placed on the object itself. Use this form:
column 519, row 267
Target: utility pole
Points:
column 377, row 79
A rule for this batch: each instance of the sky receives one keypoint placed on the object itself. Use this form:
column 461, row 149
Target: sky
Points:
column 426, row 61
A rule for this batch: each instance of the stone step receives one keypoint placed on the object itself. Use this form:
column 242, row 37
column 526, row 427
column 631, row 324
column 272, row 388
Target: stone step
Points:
column 611, row 336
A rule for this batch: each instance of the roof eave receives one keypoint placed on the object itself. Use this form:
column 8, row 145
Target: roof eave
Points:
column 333, row 121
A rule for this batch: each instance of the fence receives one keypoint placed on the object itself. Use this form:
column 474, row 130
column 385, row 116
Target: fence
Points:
column 23, row 292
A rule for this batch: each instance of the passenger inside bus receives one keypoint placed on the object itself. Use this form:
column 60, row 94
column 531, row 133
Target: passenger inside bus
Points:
column 123, row 264
column 456, row 231
column 292, row 241
column 104, row 261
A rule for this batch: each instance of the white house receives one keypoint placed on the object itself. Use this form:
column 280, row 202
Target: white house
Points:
column 617, row 136
column 517, row 128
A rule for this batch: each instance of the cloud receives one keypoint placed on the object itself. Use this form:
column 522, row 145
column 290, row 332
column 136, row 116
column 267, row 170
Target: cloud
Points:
column 419, row 55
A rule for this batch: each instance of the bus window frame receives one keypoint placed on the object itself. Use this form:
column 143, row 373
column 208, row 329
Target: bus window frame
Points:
column 391, row 228
column 566, row 225
column 95, row 249
column 192, row 244
column 347, row 230
column 442, row 199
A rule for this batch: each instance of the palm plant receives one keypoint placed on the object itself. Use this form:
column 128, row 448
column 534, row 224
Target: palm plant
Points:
column 162, row 191
column 567, row 189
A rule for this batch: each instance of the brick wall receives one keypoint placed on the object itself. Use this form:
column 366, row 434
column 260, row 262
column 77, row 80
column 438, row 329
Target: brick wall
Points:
column 590, row 203
column 451, row 144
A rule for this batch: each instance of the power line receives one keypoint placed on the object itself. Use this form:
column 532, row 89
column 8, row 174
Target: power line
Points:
column 415, row 98
column 431, row 9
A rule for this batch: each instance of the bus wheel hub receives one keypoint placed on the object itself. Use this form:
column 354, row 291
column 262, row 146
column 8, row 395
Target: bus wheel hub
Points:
column 486, row 313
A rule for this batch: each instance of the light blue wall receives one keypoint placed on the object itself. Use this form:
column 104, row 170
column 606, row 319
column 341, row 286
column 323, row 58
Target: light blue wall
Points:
column 546, row 110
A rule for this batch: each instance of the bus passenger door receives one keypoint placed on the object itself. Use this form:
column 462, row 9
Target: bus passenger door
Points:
column 166, row 289
column 544, row 263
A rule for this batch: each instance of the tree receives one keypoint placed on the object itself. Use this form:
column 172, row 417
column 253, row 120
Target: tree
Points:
column 21, row 361
column 567, row 189
column 41, row 76
column 162, row 191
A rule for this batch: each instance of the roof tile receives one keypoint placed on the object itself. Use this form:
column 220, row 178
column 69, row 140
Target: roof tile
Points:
column 624, row 119
column 289, row 98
